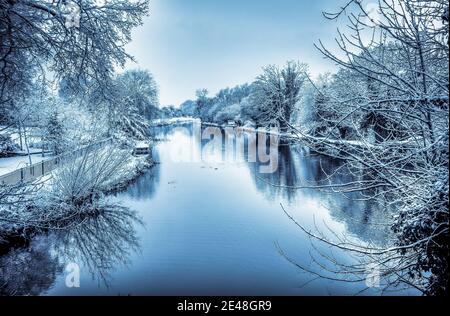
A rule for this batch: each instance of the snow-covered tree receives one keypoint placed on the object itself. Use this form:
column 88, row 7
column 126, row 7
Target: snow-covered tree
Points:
column 132, row 103
column 208, row 108
column 54, row 134
column 7, row 147
column 202, row 103
column 276, row 93
column 188, row 108
column 42, row 36
column 170, row 112
column 399, row 63
column 139, row 89
column 229, row 113
column 303, row 114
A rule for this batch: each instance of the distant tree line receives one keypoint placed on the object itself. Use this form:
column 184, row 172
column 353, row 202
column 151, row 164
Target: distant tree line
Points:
column 269, row 101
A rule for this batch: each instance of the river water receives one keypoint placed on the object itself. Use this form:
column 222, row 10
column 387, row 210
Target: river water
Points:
column 209, row 226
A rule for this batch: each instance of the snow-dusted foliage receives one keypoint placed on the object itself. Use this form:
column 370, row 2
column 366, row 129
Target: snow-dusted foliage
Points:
column 133, row 103
column 44, row 48
column 14, row 207
column 123, row 111
column 80, row 125
column 203, row 104
column 303, row 114
column 74, row 190
column 170, row 111
column 230, row 113
column 36, row 37
column 54, row 135
column 226, row 104
column 276, row 92
column 391, row 99
column 188, row 108
column 139, row 88
column 79, row 180
column 6, row 145
column 270, row 100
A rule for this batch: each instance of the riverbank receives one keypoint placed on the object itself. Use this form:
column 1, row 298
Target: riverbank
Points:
column 42, row 205
column 327, row 146
column 296, row 134
column 18, row 161
column 172, row 121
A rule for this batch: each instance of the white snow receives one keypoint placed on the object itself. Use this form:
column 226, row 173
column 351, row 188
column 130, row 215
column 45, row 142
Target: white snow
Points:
column 10, row 164
column 174, row 120
column 142, row 145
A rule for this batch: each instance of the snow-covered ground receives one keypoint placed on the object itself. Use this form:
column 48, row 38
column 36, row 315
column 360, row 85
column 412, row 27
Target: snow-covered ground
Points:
column 252, row 129
column 10, row 164
column 174, row 120
column 303, row 135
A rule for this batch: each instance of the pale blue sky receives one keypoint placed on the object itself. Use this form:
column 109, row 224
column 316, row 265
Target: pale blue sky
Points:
column 191, row 44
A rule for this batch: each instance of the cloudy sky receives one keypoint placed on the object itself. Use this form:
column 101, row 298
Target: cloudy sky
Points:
column 191, row 44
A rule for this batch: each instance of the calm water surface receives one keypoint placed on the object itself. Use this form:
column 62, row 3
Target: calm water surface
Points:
column 201, row 228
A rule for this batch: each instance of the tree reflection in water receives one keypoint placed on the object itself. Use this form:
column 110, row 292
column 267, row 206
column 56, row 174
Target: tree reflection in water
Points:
column 298, row 166
column 99, row 243
column 145, row 187
column 29, row 270
column 280, row 182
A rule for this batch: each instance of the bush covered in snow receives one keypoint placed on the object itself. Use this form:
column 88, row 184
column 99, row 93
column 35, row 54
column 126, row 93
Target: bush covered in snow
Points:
column 231, row 113
column 73, row 190
column 78, row 182
column 6, row 146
